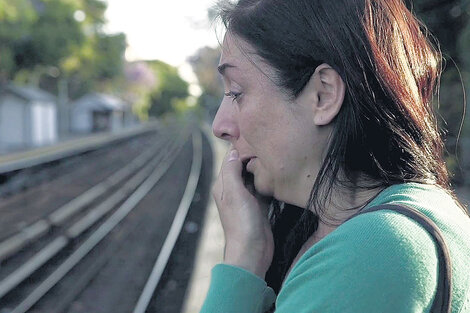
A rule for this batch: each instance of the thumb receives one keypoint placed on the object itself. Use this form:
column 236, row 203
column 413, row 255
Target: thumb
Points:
column 232, row 170
column 239, row 177
column 231, row 173
column 233, row 164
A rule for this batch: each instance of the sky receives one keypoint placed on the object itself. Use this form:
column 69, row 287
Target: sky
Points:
column 167, row 30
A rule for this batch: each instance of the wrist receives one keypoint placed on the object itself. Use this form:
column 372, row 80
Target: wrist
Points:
column 248, row 267
column 244, row 261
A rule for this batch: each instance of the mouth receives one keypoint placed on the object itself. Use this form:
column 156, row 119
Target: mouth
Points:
column 248, row 178
column 245, row 163
column 245, row 160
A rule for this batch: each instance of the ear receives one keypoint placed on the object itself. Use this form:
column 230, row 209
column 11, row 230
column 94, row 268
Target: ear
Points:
column 325, row 93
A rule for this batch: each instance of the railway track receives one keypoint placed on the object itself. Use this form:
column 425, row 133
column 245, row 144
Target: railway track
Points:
column 39, row 190
column 53, row 249
column 78, row 198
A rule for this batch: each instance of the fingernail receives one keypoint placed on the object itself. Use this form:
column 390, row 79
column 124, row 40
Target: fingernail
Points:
column 233, row 155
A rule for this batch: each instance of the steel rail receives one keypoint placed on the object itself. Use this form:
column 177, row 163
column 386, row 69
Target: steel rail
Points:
column 59, row 243
column 175, row 229
column 30, row 233
column 95, row 238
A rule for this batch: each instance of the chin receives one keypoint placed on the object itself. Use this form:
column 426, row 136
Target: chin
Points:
column 263, row 188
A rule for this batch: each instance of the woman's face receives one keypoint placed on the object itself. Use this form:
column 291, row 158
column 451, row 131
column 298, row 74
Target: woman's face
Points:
column 261, row 123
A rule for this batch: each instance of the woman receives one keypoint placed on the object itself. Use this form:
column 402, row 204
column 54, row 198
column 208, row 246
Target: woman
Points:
column 328, row 109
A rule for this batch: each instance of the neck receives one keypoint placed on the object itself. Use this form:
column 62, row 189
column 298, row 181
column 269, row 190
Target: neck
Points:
column 342, row 205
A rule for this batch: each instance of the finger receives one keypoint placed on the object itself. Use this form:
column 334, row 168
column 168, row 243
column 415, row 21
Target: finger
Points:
column 227, row 178
column 232, row 168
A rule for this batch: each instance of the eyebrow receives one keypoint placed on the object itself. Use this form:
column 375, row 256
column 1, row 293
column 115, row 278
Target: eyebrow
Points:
column 223, row 67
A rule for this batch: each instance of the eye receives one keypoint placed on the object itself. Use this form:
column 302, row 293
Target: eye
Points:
column 234, row 95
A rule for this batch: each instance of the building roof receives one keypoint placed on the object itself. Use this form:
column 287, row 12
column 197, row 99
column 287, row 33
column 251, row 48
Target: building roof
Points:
column 101, row 102
column 28, row 93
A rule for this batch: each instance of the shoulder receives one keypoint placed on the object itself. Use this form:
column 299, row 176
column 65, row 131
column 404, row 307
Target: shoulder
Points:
column 382, row 261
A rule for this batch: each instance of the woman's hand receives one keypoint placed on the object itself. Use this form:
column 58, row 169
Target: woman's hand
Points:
column 248, row 237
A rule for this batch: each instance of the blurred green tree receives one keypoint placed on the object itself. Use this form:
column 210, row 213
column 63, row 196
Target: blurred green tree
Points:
column 44, row 41
column 169, row 91
column 16, row 19
column 44, row 32
column 97, row 64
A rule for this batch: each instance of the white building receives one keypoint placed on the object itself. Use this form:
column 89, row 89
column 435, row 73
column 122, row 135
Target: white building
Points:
column 96, row 112
column 28, row 117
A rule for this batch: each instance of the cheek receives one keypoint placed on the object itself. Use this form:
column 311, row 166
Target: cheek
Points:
column 268, row 132
column 291, row 151
column 254, row 126
column 272, row 131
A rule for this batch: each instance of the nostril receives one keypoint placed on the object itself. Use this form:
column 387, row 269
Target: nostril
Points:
column 225, row 129
column 217, row 132
column 220, row 134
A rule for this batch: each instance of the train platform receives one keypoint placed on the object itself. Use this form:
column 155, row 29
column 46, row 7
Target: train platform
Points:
column 211, row 244
column 23, row 159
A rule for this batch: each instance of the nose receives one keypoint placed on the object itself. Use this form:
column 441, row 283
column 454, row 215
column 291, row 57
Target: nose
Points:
column 225, row 125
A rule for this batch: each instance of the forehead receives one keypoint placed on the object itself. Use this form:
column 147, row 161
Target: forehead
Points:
column 242, row 55
column 233, row 45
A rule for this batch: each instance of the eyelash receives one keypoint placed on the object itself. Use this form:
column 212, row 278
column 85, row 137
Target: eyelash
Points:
column 233, row 95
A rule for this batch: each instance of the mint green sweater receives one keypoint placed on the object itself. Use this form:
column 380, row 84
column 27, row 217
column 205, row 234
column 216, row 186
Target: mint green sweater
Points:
column 376, row 262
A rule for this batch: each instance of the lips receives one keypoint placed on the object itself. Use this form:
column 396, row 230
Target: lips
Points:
column 246, row 159
column 249, row 164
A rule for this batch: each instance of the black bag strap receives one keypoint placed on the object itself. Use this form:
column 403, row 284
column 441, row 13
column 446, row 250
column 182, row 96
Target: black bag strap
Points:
column 443, row 299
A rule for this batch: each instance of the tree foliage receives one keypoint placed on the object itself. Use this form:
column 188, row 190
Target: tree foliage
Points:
column 170, row 90
column 41, row 40
column 53, row 35
column 16, row 19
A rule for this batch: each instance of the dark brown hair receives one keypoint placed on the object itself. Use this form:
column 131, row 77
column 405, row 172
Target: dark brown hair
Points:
column 386, row 129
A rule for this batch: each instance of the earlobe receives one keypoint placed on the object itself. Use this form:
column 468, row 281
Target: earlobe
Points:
column 330, row 92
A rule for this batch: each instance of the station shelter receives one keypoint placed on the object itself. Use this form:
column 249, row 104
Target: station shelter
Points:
column 28, row 117
column 97, row 112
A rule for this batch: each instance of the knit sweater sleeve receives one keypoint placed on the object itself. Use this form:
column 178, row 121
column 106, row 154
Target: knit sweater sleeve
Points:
column 234, row 290
column 377, row 262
